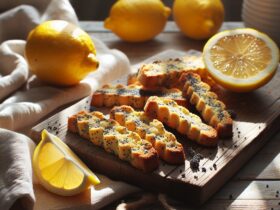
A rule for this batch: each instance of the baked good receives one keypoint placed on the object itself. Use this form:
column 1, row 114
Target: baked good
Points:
column 165, row 143
column 207, row 103
column 114, row 138
column 181, row 119
column 132, row 79
column 167, row 73
column 132, row 95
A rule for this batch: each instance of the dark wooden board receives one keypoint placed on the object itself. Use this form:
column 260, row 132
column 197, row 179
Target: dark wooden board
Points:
column 258, row 116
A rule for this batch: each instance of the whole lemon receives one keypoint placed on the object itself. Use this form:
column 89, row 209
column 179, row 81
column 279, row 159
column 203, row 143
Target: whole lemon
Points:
column 137, row 20
column 198, row 19
column 60, row 53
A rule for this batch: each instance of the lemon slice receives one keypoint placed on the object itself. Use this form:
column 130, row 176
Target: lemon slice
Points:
column 241, row 59
column 58, row 169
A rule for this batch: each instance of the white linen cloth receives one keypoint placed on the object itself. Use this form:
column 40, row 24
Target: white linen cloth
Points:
column 24, row 101
column 15, row 169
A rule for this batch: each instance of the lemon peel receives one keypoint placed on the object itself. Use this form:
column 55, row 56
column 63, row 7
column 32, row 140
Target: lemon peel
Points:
column 137, row 20
column 198, row 19
column 60, row 53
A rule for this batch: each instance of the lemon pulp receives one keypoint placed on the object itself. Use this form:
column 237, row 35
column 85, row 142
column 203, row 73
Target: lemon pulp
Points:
column 241, row 55
column 241, row 59
column 58, row 169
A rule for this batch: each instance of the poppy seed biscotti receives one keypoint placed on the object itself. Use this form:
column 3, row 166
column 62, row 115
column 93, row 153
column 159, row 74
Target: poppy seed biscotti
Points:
column 167, row 73
column 115, row 139
column 212, row 110
column 165, row 143
column 180, row 118
column 132, row 95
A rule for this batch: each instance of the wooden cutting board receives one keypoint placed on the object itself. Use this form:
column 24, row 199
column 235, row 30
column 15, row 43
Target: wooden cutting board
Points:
column 258, row 118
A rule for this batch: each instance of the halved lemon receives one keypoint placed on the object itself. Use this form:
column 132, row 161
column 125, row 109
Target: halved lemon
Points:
column 242, row 59
column 58, row 169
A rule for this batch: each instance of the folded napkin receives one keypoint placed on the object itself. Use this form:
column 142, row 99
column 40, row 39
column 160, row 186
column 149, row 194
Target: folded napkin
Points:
column 24, row 101
column 15, row 169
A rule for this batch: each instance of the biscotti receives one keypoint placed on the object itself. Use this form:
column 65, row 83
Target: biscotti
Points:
column 114, row 138
column 167, row 73
column 132, row 95
column 132, row 79
column 181, row 119
column 206, row 102
column 165, row 143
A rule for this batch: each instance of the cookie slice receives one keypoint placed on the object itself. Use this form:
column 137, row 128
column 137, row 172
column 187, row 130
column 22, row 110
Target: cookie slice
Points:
column 181, row 119
column 165, row 143
column 167, row 73
column 212, row 110
column 115, row 139
column 132, row 95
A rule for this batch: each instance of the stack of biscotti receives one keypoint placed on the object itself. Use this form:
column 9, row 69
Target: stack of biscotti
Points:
column 165, row 143
column 132, row 95
column 114, row 138
column 164, row 90
column 207, row 103
column 181, row 119
column 186, row 74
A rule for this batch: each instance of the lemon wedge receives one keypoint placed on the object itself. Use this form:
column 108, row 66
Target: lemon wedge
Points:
column 58, row 169
column 241, row 60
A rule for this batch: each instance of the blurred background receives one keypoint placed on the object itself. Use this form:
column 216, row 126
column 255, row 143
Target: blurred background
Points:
column 99, row 9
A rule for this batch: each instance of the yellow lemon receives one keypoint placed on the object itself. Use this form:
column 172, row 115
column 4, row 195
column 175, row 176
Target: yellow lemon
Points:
column 198, row 19
column 60, row 53
column 137, row 20
column 58, row 169
column 241, row 59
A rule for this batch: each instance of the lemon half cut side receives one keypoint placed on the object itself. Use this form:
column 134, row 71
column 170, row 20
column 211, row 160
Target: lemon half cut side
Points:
column 242, row 59
column 58, row 168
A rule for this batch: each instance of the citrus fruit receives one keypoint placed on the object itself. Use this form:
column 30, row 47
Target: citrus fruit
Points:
column 58, row 169
column 60, row 53
column 198, row 19
column 137, row 20
column 241, row 59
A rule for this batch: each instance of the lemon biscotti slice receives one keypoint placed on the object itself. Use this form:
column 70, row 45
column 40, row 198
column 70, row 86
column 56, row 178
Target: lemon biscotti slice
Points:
column 167, row 73
column 181, row 119
column 132, row 95
column 207, row 103
column 165, row 143
column 114, row 138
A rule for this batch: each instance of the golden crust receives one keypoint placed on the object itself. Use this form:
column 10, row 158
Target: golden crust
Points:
column 132, row 79
column 206, row 102
column 181, row 119
column 165, row 143
column 132, row 95
column 72, row 122
column 167, row 73
column 114, row 138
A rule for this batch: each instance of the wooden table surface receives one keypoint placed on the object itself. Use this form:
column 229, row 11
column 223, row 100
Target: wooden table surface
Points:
column 257, row 184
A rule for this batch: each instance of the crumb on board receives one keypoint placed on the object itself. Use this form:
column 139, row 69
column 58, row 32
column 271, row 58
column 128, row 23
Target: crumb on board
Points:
column 195, row 159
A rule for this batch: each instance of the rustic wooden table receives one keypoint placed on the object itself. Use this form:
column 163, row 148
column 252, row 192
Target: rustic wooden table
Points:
column 257, row 184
